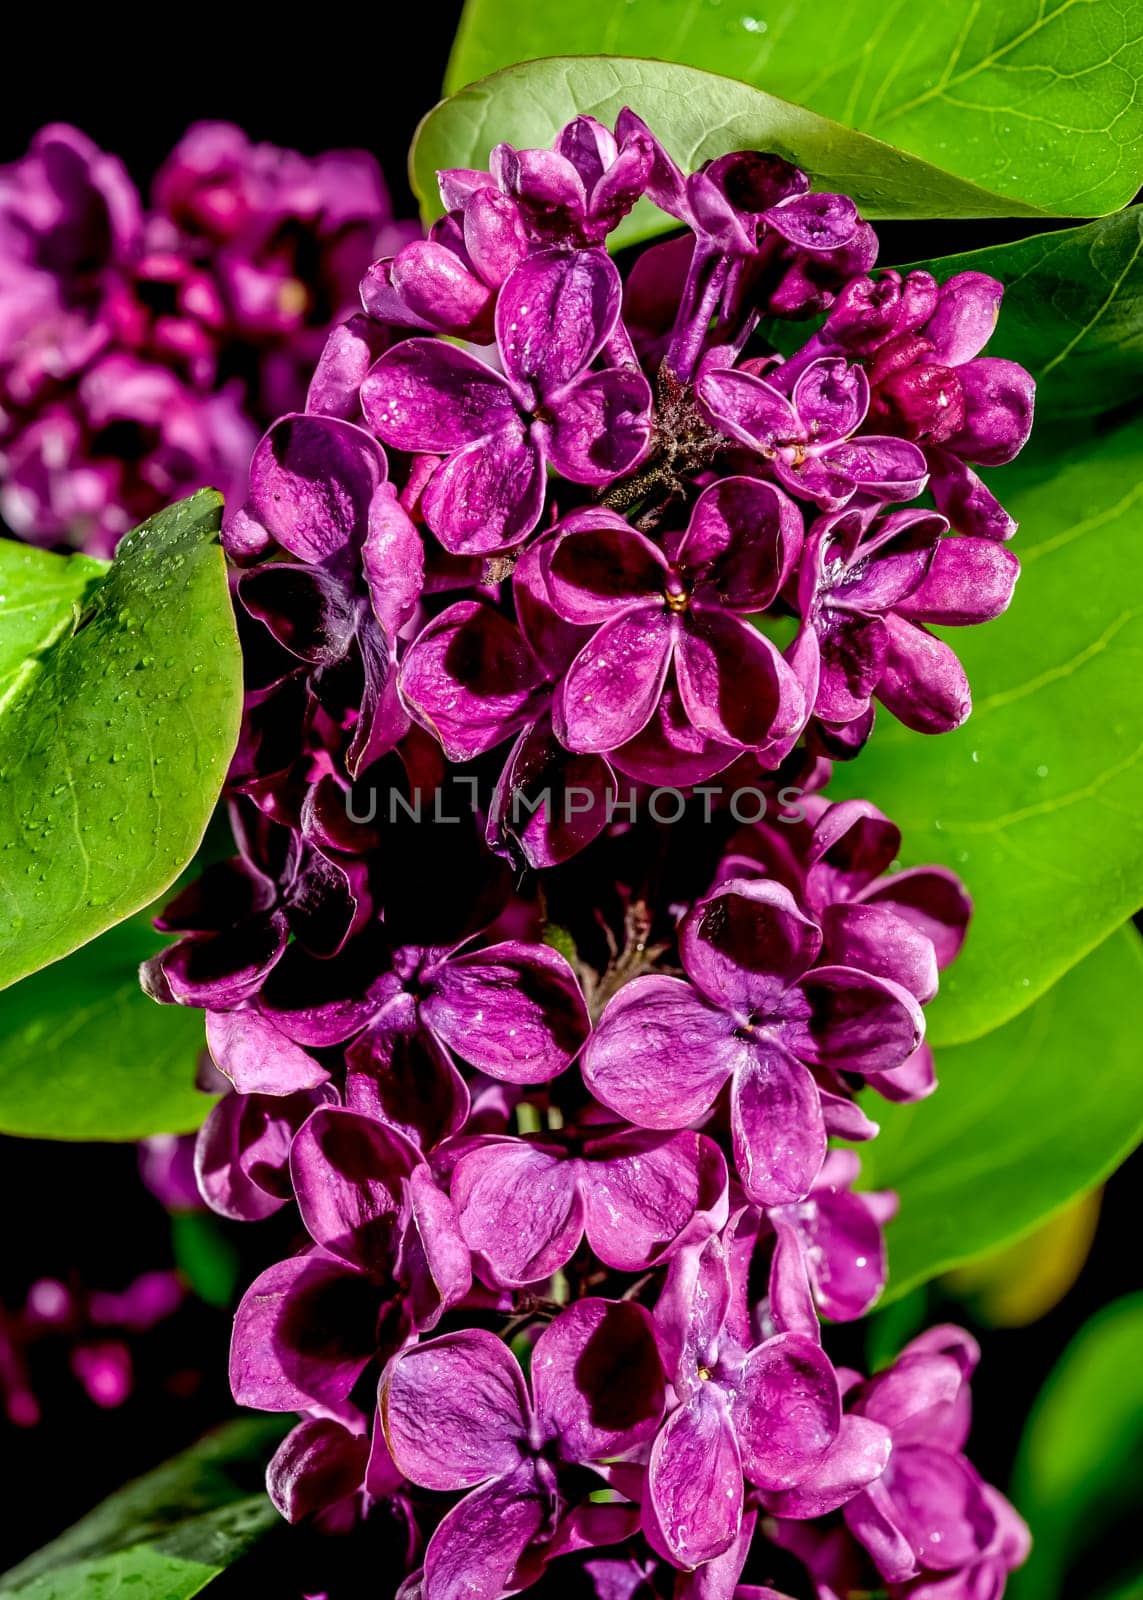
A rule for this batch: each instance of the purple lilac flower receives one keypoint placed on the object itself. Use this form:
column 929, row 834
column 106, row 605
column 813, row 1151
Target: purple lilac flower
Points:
column 757, row 1013
column 530, row 1072
column 458, row 1417
column 499, row 429
column 142, row 352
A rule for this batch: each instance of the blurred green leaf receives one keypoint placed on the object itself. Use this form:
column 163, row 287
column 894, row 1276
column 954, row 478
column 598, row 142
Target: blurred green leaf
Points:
column 120, row 698
column 697, row 116
column 1024, row 1120
column 1038, row 800
column 167, row 1535
column 84, row 1054
column 1078, row 1469
column 1036, row 99
column 206, row 1257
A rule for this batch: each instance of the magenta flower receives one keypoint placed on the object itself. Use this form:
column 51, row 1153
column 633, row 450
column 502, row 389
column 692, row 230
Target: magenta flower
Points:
column 597, row 1392
column 929, row 1511
column 388, row 1262
column 525, row 1205
column 829, row 1249
column 768, row 1413
column 674, row 617
column 498, row 430
column 577, row 192
column 868, row 588
column 759, row 1014
column 807, row 437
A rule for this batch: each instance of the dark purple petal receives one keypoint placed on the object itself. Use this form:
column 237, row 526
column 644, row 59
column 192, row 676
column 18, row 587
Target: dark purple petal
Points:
column 347, row 1171
column 317, row 1464
column 999, row 400
column 476, row 1547
column 854, row 1022
column 520, row 1209
column 436, row 1264
column 694, row 1480
column 470, row 679
column 349, row 352
column 874, row 939
column 831, row 399
column 612, row 687
column 746, row 943
column 891, row 469
column 550, row 803
column 934, row 900
column 599, row 566
column 426, row 394
column 601, row 426
column 512, row 1010
column 965, row 499
column 427, row 285
column 742, row 542
column 408, row 1081
column 597, row 1379
column 750, row 410
column 455, row 1410
column 939, row 1505
column 659, row 1053
column 554, row 314
column 217, row 971
column 303, row 1335
column 309, row 611
column 311, row 482
column 489, row 495
column 776, row 1124
column 734, row 683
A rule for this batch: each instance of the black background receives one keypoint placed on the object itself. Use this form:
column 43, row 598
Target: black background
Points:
column 345, row 79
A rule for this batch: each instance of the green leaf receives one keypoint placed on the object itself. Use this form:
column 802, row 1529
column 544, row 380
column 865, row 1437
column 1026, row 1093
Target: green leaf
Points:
column 1038, row 800
column 1035, row 99
column 697, row 116
column 1077, row 1472
column 167, row 1535
column 1072, row 313
column 84, row 1054
column 207, row 1257
column 121, row 700
column 1024, row 1120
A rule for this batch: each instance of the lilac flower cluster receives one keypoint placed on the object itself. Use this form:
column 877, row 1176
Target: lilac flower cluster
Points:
column 142, row 351
column 552, row 1088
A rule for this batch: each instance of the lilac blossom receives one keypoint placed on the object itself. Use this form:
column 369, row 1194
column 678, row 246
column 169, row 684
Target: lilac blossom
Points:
column 498, row 430
column 596, row 1392
column 757, row 1013
column 571, row 1061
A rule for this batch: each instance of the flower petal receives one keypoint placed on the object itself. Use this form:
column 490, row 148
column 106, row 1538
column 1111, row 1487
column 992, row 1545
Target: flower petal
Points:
column 256, row 1057
column 749, row 410
column 776, row 1125
column 733, row 681
column 487, row 496
column 476, row 1547
column 854, row 1022
column 694, row 1480
column 599, row 566
column 311, row 482
column 512, row 1010
column 601, row 426
column 787, row 1410
column 597, row 1379
column 455, row 1410
column 642, row 1192
column 347, row 1171
column 856, row 1459
column 519, row 1207
column 923, row 683
column 470, row 679
column 659, row 1053
column 303, row 1334
column 746, row 943
column 427, row 394
column 317, row 1464
column 554, row 314
column 970, row 580
column 612, row 687
column 743, row 541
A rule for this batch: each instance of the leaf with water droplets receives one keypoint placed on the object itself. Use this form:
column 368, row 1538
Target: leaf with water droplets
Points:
column 1037, row 100
column 105, row 792
column 168, row 1534
column 698, row 116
